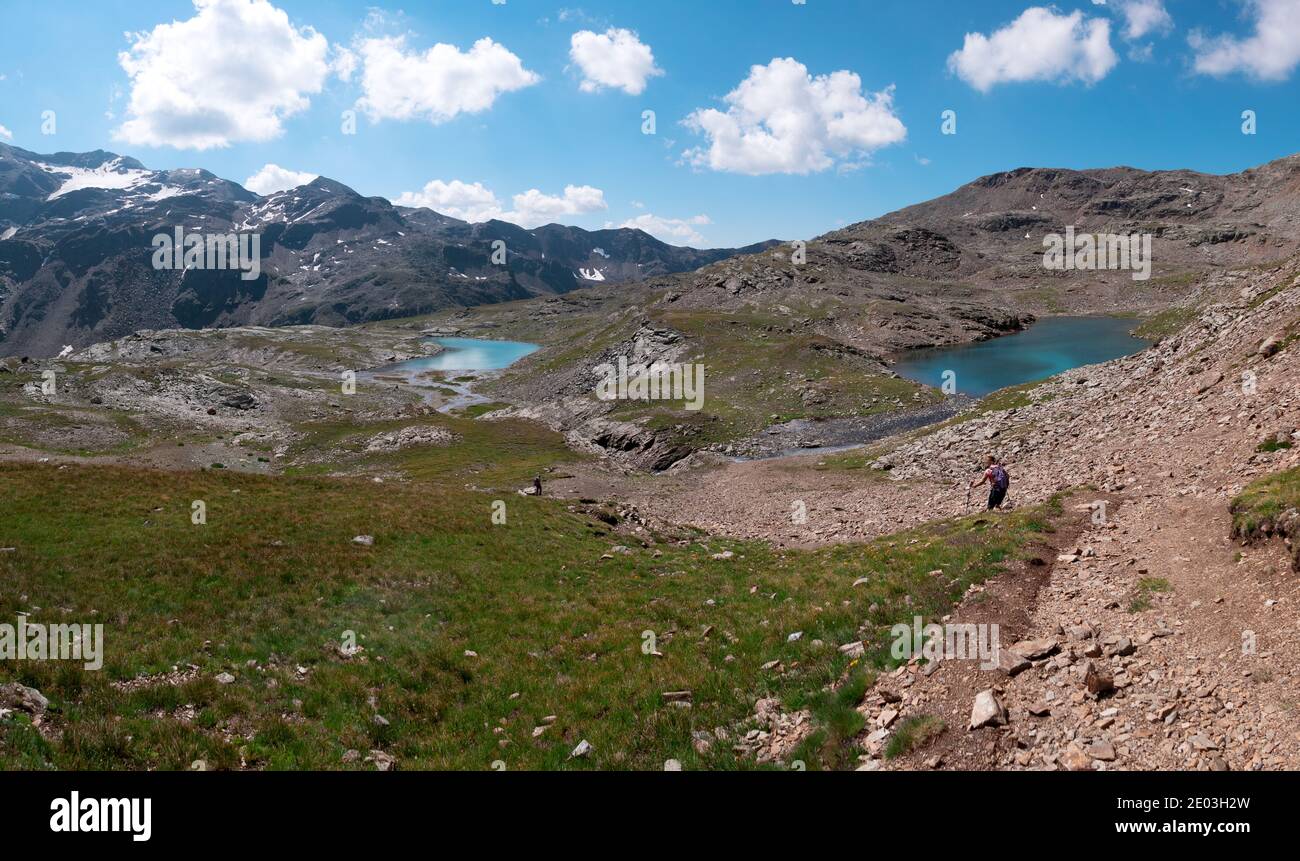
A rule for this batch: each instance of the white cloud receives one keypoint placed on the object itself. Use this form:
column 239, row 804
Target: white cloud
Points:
column 438, row 84
column 1040, row 45
column 1145, row 16
column 272, row 178
column 344, row 63
column 1270, row 54
column 616, row 58
column 6, row 134
column 532, row 208
column 675, row 231
column 458, row 199
column 578, row 15
column 231, row 73
column 476, row 202
column 782, row 120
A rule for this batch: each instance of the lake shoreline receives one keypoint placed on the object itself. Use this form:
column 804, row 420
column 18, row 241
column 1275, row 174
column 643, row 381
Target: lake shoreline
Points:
column 446, row 379
column 1050, row 346
column 850, row 433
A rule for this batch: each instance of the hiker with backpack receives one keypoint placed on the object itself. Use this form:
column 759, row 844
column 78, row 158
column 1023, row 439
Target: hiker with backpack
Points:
column 998, row 479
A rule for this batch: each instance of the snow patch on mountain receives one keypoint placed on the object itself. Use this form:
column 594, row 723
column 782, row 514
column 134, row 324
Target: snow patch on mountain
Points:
column 110, row 174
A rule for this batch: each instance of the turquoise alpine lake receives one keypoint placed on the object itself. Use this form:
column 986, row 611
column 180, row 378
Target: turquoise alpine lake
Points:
column 471, row 354
column 462, row 362
column 1047, row 348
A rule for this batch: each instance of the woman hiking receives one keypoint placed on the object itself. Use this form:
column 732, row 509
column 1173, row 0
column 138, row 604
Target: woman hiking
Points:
column 999, row 480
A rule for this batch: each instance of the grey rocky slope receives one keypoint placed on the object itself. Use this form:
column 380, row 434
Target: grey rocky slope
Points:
column 1184, row 623
column 988, row 235
column 76, row 254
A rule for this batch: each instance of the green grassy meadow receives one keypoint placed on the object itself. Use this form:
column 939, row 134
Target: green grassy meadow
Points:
column 473, row 633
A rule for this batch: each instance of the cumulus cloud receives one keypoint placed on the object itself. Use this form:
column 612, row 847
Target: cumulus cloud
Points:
column 781, row 119
column 1040, row 45
column 468, row 202
column 616, row 58
column 675, row 231
column 533, row 208
column 6, row 134
column 231, row 73
column 438, row 84
column 1144, row 16
column 272, row 178
column 476, row 202
column 1271, row 53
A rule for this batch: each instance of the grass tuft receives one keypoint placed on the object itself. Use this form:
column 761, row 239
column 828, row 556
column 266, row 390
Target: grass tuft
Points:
column 1146, row 587
column 914, row 733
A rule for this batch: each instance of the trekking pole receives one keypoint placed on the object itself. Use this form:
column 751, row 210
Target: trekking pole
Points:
column 968, row 498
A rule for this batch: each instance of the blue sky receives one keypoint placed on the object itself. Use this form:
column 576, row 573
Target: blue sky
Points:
column 1075, row 84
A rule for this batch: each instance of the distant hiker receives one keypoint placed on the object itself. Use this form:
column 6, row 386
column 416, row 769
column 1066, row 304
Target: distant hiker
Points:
column 999, row 480
column 537, row 485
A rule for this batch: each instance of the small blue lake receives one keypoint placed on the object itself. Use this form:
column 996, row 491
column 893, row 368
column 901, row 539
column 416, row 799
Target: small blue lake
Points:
column 462, row 362
column 1049, row 347
column 471, row 354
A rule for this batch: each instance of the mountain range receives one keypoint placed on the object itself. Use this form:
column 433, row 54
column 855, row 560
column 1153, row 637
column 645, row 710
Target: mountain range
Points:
column 76, row 255
column 76, row 259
